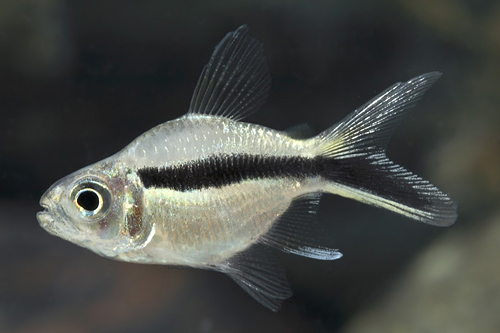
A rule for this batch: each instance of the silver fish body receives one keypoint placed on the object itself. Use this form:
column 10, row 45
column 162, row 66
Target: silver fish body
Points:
column 211, row 224
column 209, row 191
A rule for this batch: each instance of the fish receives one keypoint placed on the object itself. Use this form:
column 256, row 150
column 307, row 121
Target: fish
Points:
column 210, row 191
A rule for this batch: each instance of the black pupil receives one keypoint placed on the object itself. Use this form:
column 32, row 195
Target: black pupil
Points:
column 88, row 200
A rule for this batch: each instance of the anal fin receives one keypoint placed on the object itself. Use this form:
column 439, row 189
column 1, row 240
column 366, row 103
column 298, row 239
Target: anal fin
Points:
column 260, row 274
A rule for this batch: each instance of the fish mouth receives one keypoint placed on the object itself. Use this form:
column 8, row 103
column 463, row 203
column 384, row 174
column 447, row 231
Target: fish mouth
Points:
column 46, row 219
column 51, row 220
column 48, row 216
column 45, row 207
column 53, row 217
column 45, row 203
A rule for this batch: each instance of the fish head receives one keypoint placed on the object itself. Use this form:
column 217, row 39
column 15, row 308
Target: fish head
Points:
column 98, row 207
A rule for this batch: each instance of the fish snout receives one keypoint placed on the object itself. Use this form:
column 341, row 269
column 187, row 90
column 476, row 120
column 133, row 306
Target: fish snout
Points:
column 48, row 202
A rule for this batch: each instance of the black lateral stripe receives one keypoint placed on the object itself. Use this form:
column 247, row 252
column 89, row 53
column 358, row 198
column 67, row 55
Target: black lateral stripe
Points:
column 223, row 170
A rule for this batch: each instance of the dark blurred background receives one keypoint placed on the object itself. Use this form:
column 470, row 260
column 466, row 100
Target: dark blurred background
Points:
column 80, row 79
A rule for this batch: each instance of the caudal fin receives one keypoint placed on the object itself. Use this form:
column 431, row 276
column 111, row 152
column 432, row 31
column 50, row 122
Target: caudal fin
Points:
column 354, row 161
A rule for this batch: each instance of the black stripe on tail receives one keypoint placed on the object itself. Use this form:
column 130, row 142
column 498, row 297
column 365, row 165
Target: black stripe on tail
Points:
column 376, row 180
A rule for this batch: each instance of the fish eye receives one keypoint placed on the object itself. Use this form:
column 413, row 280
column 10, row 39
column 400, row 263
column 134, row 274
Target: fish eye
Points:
column 91, row 198
column 88, row 199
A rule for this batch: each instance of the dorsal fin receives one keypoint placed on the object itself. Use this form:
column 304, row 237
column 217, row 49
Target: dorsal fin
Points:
column 235, row 82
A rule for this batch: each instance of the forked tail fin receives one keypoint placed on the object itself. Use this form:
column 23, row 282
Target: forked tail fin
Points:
column 353, row 158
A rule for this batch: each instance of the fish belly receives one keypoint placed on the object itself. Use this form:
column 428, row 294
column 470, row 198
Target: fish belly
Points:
column 205, row 227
